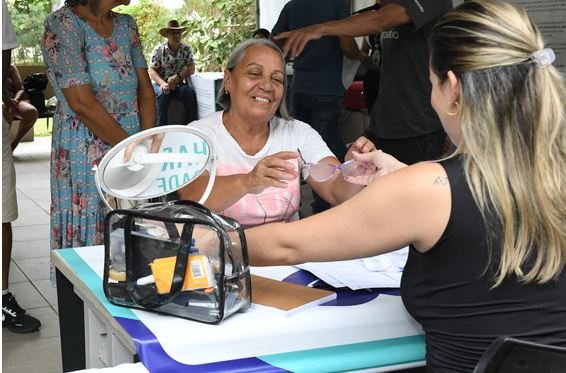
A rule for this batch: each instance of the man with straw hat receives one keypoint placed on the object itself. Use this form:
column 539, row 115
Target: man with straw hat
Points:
column 170, row 70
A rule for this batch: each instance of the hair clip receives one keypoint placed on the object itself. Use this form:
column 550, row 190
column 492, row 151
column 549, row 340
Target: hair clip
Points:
column 544, row 57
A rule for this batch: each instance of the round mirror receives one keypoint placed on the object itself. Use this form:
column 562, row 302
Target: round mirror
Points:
column 156, row 162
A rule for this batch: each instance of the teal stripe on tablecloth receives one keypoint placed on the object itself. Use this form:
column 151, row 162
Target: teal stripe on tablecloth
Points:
column 393, row 351
column 93, row 282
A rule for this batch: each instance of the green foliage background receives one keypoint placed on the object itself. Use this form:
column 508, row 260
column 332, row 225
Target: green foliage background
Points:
column 150, row 17
column 215, row 27
column 213, row 36
column 27, row 17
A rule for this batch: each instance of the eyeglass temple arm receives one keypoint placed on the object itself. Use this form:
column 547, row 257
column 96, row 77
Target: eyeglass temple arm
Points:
column 301, row 156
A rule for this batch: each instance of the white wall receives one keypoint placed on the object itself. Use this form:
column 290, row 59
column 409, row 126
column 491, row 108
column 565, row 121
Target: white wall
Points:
column 269, row 12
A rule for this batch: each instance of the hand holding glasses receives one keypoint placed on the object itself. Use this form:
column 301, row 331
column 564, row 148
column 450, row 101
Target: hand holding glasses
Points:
column 352, row 171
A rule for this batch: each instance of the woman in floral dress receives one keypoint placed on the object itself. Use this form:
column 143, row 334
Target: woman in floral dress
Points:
column 95, row 63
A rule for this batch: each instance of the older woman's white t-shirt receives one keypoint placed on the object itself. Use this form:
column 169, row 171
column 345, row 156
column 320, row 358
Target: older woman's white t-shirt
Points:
column 273, row 204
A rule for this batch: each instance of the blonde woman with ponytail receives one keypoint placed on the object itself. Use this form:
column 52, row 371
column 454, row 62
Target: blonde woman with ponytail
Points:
column 486, row 225
column 513, row 135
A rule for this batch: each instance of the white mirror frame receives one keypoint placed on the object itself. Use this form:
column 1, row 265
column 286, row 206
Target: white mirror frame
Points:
column 210, row 163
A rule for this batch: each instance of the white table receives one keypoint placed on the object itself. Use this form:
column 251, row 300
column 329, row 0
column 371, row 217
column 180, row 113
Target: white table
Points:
column 367, row 330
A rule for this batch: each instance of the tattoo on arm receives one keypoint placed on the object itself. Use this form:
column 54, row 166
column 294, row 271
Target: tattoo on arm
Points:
column 440, row 180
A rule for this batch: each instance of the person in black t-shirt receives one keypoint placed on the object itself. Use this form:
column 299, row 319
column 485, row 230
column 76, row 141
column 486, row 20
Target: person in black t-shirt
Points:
column 486, row 226
column 402, row 121
column 371, row 58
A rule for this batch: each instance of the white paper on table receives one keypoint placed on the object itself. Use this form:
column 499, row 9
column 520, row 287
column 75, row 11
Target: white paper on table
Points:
column 386, row 271
column 390, row 262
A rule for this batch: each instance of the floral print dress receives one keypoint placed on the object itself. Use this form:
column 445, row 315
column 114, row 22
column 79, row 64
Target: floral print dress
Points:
column 76, row 55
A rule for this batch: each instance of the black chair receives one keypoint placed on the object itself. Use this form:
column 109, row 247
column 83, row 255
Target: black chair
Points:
column 34, row 85
column 511, row 355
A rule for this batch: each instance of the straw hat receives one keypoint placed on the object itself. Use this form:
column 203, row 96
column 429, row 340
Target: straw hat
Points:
column 171, row 25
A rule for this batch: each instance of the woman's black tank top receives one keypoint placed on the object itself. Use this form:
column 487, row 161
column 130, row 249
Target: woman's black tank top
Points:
column 448, row 290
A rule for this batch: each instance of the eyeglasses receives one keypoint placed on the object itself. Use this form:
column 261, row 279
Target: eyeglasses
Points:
column 324, row 171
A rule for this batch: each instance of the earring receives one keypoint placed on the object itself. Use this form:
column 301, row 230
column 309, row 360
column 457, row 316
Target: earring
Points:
column 226, row 92
column 457, row 109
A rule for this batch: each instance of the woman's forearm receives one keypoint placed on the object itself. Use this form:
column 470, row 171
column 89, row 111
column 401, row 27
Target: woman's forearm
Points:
column 146, row 100
column 147, row 109
column 82, row 101
column 100, row 122
column 227, row 190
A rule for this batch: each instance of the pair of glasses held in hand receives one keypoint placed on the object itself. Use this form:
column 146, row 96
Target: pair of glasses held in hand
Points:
column 324, row 171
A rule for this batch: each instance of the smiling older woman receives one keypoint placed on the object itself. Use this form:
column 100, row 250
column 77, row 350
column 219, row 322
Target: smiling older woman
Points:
column 256, row 142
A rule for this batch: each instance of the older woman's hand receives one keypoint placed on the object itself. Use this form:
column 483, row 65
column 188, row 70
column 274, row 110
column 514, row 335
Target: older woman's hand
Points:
column 275, row 170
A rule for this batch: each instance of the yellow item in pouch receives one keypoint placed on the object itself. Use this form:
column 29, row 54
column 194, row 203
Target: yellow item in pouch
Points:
column 198, row 275
column 116, row 275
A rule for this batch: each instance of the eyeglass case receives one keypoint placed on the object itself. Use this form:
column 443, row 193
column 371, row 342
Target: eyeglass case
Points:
column 176, row 258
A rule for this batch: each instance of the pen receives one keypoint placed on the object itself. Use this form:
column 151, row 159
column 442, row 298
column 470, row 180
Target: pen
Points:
column 145, row 280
